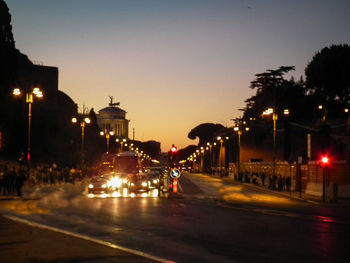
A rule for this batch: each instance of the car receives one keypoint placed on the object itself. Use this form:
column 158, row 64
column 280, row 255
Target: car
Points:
column 154, row 179
column 139, row 182
column 99, row 185
column 158, row 170
column 121, row 180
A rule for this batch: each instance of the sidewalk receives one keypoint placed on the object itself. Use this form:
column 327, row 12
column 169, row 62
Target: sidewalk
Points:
column 287, row 194
column 26, row 243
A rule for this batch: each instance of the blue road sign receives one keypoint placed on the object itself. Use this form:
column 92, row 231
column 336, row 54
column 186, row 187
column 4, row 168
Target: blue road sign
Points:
column 175, row 173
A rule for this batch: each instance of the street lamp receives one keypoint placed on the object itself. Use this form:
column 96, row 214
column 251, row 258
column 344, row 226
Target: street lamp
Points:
column 239, row 133
column 36, row 92
column 323, row 111
column 272, row 111
column 121, row 141
column 210, row 159
column 220, row 151
column 83, row 122
column 107, row 135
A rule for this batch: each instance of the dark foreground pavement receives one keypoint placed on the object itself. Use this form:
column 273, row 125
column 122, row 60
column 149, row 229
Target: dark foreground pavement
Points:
column 25, row 243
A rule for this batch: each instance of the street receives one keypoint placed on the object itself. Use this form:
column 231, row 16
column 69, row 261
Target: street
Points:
column 214, row 220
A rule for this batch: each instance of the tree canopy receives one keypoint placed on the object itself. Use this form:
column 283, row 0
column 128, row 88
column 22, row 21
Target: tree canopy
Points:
column 273, row 90
column 328, row 74
column 328, row 78
column 205, row 132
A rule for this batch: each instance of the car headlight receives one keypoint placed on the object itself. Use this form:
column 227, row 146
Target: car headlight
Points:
column 104, row 186
column 91, row 186
column 144, row 184
column 114, row 182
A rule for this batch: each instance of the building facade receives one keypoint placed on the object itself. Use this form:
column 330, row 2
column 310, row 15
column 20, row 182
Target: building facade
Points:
column 112, row 119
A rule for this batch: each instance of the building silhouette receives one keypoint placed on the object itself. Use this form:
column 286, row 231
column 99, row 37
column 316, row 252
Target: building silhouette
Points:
column 51, row 134
column 112, row 118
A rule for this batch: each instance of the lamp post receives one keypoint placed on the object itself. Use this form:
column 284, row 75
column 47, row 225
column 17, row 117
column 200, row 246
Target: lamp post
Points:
column 323, row 111
column 29, row 99
column 239, row 133
column 121, row 141
column 272, row 111
column 202, row 158
column 83, row 123
column 210, row 162
column 107, row 135
column 220, row 152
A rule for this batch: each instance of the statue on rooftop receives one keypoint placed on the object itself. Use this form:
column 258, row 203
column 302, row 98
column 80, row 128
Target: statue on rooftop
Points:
column 113, row 104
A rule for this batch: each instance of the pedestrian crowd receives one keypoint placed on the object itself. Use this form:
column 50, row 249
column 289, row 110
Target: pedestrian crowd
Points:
column 12, row 179
column 274, row 182
column 14, row 176
column 221, row 171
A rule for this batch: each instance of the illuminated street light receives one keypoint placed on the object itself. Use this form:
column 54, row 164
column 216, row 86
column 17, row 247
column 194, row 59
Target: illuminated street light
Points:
column 107, row 134
column 16, row 92
column 29, row 99
column 270, row 111
column 324, row 112
column 122, row 142
column 83, row 123
column 239, row 133
column 220, row 151
column 209, row 146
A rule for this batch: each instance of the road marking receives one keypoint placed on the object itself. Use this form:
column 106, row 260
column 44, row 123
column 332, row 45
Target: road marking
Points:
column 98, row 241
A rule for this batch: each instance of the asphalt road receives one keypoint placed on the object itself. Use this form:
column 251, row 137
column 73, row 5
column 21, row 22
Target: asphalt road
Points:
column 214, row 221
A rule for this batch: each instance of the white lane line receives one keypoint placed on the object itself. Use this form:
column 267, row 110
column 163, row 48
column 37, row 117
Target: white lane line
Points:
column 98, row 241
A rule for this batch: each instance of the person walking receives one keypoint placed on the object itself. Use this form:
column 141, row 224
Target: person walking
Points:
column 19, row 181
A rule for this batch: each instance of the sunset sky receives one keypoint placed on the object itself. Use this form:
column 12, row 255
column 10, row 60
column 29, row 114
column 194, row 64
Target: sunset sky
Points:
column 173, row 64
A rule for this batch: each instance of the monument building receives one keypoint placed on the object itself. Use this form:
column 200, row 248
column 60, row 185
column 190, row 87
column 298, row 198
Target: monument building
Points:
column 112, row 119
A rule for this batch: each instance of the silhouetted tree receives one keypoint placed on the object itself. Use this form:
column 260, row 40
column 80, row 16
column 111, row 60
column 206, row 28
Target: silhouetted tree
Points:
column 328, row 78
column 206, row 132
column 271, row 91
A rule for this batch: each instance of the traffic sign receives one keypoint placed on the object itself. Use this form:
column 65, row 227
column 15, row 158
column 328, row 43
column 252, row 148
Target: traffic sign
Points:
column 175, row 173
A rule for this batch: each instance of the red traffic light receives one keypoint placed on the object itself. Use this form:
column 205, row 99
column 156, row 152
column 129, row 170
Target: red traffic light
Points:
column 324, row 160
column 173, row 149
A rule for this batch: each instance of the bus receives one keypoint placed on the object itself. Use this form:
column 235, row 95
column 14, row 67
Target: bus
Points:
column 127, row 162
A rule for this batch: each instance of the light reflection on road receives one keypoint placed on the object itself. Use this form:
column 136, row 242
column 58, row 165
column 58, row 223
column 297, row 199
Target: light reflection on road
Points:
column 126, row 193
column 237, row 193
